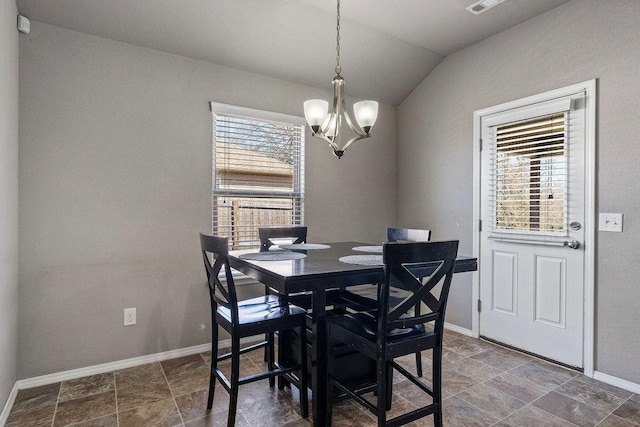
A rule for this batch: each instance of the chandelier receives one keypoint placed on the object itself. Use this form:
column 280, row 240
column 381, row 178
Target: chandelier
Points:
column 328, row 126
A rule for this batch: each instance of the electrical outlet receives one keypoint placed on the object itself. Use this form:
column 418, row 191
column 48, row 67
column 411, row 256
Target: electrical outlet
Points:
column 610, row 222
column 129, row 316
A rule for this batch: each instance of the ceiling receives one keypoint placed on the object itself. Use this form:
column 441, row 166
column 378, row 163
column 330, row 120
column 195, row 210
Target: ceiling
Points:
column 387, row 46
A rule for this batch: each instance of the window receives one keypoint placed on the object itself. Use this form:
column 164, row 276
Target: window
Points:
column 258, row 172
column 530, row 179
column 531, row 150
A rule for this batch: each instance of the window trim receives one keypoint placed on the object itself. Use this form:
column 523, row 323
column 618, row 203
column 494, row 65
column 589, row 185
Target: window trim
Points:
column 267, row 116
column 236, row 110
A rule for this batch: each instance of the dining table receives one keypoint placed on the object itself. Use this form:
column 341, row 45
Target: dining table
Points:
column 317, row 268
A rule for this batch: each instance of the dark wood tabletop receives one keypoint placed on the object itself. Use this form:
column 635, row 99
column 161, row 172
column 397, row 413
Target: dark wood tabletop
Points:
column 319, row 271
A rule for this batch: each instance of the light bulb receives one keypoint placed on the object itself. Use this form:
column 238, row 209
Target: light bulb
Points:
column 329, row 126
column 315, row 111
column 366, row 113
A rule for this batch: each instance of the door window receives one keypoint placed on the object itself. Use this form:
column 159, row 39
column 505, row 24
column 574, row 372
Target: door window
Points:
column 528, row 179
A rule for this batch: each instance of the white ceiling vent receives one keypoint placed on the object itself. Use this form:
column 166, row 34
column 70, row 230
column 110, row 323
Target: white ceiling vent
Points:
column 483, row 5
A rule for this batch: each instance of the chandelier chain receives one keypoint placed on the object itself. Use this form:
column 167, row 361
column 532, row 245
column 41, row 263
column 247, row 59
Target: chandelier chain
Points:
column 338, row 67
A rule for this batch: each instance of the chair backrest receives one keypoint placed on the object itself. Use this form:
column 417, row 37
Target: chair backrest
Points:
column 408, row 235
column 419, row 267
column 219, row 293
column 296, row 234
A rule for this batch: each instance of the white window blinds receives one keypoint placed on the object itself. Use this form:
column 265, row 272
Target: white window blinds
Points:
column 528, row 187
column 258, row 168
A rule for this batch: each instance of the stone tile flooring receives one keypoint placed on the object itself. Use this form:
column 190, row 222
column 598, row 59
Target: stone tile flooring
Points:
column 484, row 385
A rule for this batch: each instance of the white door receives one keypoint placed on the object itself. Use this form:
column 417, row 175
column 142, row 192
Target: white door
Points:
column 532, row 199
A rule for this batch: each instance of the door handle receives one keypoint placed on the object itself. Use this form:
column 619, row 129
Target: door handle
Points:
column 573, row 244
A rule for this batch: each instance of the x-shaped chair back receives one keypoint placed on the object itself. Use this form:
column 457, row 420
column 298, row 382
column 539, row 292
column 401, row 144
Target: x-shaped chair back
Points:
column 419, row 268
column 220, row 293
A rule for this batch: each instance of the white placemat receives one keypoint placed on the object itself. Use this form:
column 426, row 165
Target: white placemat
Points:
column 362, row 259
column 305, row 246
column 374, row 249
column 273, row 256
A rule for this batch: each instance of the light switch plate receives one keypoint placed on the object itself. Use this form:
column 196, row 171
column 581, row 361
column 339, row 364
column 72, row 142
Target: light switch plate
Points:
column 610, row 222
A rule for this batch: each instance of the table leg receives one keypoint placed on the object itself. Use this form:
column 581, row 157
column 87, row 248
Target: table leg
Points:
column 319, row 349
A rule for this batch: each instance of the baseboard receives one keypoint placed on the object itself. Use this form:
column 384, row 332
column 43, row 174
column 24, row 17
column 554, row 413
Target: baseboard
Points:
column 121, row 364
column 4, row 415
column 618, row 382
column 458, row 329
column 110, row 366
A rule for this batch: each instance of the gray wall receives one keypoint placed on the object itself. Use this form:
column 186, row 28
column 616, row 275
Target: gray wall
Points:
column 581, row 40
column 115, row 184
column 8, row 197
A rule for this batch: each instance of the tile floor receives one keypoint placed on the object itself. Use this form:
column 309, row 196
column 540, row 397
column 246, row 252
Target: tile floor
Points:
column 484, row 385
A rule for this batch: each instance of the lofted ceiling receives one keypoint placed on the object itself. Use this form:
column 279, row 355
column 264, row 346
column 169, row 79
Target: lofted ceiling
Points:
column 387, row 46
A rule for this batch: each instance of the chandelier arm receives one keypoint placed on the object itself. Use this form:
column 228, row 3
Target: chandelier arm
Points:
column 354, row 139
column 354, row 128
column 321, row 134
column 326, row 126
column 338, row 106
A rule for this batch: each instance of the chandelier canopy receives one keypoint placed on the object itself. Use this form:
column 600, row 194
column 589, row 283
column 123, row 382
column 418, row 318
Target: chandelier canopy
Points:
column 328, row 126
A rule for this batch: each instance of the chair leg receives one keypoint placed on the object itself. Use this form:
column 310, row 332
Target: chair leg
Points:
column 270, row 356
column 418, row 354
column 282, row 380
column 304, row 399
column 283, row 383
column 235, row 377
column 267, row 337
column 383, row 375
column 389, row 386
column 330, row 372
column 437, row 385
column 214, row 364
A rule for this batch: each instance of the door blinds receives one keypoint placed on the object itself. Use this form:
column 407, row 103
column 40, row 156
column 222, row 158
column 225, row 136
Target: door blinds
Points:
column 528, row 169
column 258, row 177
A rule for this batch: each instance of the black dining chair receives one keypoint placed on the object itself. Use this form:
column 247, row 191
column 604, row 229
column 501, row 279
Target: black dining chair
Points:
column 295, row 235
column 292, row 235
column 410, row 235
column 392, row 331
column 241, row 319
column 366, row 295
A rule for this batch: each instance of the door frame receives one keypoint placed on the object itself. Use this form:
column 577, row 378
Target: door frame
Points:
column 589, row 87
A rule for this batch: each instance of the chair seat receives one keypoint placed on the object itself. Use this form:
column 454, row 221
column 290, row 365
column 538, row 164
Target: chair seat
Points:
column 364, row 324
column 260, row 309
